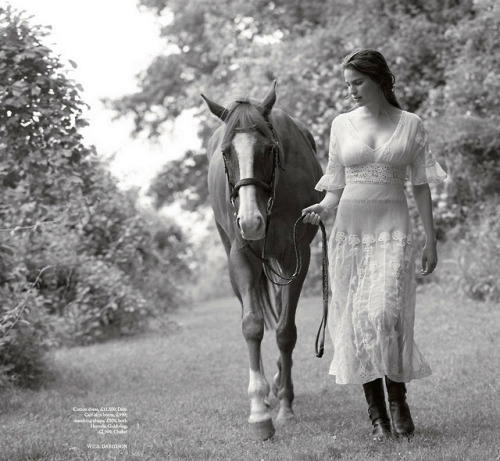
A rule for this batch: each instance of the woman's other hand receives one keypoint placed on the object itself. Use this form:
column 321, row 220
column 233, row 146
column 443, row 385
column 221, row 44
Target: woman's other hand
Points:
column 429, row 259
column 314, row 214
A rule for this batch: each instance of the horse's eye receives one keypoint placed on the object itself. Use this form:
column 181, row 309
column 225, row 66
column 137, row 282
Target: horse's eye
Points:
column 262, row 152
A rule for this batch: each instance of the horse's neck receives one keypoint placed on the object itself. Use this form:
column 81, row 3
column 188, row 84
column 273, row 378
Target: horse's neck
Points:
column 291, row 138
column 214, row 144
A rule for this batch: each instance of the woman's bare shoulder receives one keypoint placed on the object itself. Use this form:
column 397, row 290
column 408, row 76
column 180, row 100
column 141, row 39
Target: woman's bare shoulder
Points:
column 413, row 117
column 340, row 117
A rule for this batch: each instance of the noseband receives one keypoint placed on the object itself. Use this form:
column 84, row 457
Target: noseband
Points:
column 268, row 188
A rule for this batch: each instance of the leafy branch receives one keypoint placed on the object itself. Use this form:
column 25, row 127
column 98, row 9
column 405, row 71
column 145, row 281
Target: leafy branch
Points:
column 19, row 309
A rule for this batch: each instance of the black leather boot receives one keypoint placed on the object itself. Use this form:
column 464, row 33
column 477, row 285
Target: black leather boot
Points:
column 402, row 424
column 377, row 410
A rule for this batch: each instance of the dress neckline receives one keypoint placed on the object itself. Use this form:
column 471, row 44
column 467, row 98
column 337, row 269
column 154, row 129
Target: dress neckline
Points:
column 386, row 142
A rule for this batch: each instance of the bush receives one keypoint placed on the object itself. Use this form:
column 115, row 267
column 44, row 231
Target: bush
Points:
column 92, row 258
column 138, row 273
column 478, row 254
column 151, row 251
column 24, row 337
column 212, row 273
column 105, row 305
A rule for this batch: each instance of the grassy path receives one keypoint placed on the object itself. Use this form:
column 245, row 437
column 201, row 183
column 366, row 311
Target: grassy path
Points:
column 185, row 394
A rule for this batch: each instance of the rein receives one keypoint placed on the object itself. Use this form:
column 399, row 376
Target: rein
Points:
column 320, row 337
column 270, row 188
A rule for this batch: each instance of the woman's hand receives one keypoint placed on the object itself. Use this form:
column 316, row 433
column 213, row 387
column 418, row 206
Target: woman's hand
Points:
column 320, row 211
column 314, row 214
column 429, row 259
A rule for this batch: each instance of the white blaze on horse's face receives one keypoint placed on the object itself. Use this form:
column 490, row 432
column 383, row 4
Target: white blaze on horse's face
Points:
column 251, row 221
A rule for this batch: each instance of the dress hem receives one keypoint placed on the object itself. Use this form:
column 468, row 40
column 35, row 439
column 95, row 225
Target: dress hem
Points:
column 398, row 379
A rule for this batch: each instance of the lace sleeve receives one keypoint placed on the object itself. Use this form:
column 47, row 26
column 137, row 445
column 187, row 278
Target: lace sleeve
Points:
column 424, row 168
column 334, row 177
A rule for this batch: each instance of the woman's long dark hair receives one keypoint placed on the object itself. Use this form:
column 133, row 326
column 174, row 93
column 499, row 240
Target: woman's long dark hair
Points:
column 373, row 64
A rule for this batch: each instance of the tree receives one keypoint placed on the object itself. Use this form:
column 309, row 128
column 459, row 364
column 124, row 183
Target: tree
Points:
column 228, row 48
column 182, row 181
column 43, row 162
column 467, row 110
column 40, row 157
column 445, row 55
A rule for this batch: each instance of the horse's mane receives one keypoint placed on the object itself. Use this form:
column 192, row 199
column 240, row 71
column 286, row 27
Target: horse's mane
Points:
column 244, row 114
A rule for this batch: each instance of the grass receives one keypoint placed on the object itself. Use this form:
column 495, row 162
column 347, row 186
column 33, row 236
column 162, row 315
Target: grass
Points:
column 185, row 391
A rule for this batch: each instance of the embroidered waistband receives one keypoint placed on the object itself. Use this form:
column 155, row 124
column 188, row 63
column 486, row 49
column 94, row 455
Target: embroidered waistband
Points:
column 379, row 173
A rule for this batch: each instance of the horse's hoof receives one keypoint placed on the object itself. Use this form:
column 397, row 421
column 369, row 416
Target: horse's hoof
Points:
column 263, row 430
column 286, row 418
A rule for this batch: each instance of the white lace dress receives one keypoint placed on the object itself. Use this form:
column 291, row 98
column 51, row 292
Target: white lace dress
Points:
column 372, row 260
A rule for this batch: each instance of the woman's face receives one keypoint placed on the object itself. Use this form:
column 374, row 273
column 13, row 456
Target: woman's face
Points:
column 361, row 87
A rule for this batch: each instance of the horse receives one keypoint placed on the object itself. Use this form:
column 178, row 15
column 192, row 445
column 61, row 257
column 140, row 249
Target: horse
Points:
column 263, row 165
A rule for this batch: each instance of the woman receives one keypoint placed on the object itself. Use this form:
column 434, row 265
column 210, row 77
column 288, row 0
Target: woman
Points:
column 373, row 150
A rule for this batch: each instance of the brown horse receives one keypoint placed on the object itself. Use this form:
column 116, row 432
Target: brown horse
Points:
column 263, row 165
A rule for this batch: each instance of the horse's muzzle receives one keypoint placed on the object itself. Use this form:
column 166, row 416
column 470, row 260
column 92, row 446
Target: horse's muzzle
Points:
column 251, row 227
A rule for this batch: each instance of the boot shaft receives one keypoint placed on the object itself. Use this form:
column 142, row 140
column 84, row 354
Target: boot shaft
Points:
column 375, row 397
column 402, row 422
column 395, row 391
column 377, row 409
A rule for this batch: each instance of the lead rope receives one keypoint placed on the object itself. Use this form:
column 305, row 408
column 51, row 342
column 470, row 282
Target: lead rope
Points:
column 320, row 337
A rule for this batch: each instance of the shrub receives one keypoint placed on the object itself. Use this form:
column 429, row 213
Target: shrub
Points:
column 74, row 248
column 212, row 273
column 478, row 254
column 151, row 251
column 24, row 337
column 105, row 305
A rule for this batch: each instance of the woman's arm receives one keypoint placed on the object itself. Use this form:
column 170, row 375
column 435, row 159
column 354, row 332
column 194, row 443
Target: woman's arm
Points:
column 422, row 194
column 320, row 211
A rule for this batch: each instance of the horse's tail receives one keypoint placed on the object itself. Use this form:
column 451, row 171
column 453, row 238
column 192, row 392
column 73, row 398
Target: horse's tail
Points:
column 270, row 298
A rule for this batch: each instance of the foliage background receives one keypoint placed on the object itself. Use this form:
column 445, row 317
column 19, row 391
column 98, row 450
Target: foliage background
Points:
column 445, row 55
column 80, row 260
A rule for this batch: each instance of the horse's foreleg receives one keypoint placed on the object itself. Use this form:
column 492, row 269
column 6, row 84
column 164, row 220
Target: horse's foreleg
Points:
column 266, row 383
column 277, row 378
column 260, row 420
column 286, row 337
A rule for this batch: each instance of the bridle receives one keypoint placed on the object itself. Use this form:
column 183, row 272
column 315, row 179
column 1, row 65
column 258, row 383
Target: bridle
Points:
column 270, row 188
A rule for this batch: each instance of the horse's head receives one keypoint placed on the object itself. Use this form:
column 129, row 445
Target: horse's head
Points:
column 251, row 155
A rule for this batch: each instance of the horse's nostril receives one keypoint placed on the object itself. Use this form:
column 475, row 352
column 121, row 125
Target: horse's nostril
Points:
column 250, row 226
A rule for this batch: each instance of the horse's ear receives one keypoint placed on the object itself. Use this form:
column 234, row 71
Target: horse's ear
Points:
column 269, row 100
column 216, row 109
